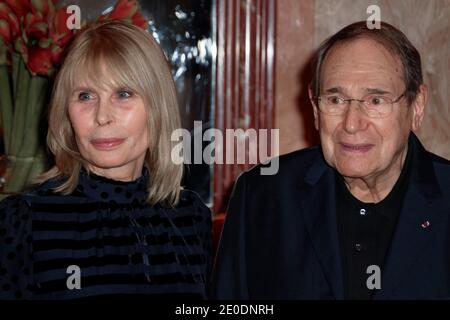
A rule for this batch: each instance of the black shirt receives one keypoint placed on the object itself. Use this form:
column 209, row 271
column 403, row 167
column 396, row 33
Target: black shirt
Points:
column 365, row 232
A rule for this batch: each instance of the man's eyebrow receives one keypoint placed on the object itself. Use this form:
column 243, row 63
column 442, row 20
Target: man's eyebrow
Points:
column 377, row 91
column 339, row 89
column 334, row 90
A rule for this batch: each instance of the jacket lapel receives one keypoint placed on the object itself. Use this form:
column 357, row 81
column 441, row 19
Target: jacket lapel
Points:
column 416, row 226
column 318, row 206
column 411, row 239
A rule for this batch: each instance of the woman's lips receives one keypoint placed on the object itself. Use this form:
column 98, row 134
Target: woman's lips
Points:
column 106, row 144
column 356, row 148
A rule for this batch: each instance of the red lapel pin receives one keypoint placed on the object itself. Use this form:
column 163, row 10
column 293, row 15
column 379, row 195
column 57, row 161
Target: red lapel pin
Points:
column 426, row 224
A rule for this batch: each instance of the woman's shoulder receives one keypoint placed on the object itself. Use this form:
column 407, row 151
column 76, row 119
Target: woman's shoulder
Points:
column 203, row 215
column 14, row 217
column 15, row 246
column 15, row 210
column 43, row 192
column 190, row 202
column 45, row 188
column 12, row 205
column 191, row 198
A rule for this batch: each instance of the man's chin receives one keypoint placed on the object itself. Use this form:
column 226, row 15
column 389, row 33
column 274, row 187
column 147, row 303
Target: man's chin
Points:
column 353, row 172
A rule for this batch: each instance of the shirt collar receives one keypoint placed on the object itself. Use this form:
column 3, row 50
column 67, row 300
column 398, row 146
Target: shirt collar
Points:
column 106, row 190
column 391, row 205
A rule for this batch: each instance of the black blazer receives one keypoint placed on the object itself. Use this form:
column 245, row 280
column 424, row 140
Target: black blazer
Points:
column 280, row 238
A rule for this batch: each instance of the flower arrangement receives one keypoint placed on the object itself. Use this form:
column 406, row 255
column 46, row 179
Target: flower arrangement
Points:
column 33, row 36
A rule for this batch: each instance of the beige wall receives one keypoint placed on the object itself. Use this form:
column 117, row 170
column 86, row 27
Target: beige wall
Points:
column 294, row 47
column 305, row 23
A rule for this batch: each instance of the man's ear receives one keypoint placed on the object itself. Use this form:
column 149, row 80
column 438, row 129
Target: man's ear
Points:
column 418, row 106
column 315, row 110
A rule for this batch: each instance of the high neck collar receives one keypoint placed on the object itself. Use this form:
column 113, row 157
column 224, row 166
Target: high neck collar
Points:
column 105, row 189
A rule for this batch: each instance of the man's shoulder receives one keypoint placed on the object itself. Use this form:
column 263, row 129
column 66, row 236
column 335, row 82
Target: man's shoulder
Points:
column 440, row 162
column 291, row 166
column 442, row 169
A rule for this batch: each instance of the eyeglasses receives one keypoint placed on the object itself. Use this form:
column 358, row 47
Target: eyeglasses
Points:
column 374, row 105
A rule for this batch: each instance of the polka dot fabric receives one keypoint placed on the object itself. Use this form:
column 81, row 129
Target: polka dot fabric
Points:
column 122, row 245
column 15, row 249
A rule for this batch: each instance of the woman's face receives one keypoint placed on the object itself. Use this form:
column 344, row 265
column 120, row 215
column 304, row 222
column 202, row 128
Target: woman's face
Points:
column 110, row 126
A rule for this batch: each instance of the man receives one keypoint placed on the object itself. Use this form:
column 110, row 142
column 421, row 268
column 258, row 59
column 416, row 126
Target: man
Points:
column 363, row 216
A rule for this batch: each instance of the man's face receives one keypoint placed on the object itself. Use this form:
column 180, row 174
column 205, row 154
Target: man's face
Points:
column 355, row 144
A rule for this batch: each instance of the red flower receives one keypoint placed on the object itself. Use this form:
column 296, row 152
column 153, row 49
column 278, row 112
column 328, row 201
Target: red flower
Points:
column 35, row 26
column 19, row 7
column 42, row 6
column 126, row 10
column 59, row 21
column 123, row 9
column 40, row 60
column 140, row 21
column 59, row 32
column 8, row 15
column 56, row 52
column 39, row 32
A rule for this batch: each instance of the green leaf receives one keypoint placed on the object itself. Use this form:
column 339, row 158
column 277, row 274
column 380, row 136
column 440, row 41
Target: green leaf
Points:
column 20, row 107
column 6, row 107
column 45, row 43
column 40, row 5
column 35, row 104
column 3, row 52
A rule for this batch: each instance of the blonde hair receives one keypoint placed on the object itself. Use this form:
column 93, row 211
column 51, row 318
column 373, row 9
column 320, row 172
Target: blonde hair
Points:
column 134, row 60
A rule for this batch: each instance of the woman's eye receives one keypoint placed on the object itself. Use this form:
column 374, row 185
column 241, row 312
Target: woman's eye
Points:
column 84, row 96
column 124, row 94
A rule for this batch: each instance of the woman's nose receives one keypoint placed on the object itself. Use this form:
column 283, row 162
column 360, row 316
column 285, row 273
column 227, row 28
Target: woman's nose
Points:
column 104, row 114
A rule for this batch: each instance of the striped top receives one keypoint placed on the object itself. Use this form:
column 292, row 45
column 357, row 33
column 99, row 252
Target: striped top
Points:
column 102, row 240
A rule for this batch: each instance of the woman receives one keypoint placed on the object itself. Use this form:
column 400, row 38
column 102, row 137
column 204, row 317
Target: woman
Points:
column 110, row 217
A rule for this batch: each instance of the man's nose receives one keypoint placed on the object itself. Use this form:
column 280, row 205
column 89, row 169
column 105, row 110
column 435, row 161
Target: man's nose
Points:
column 354, row 118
